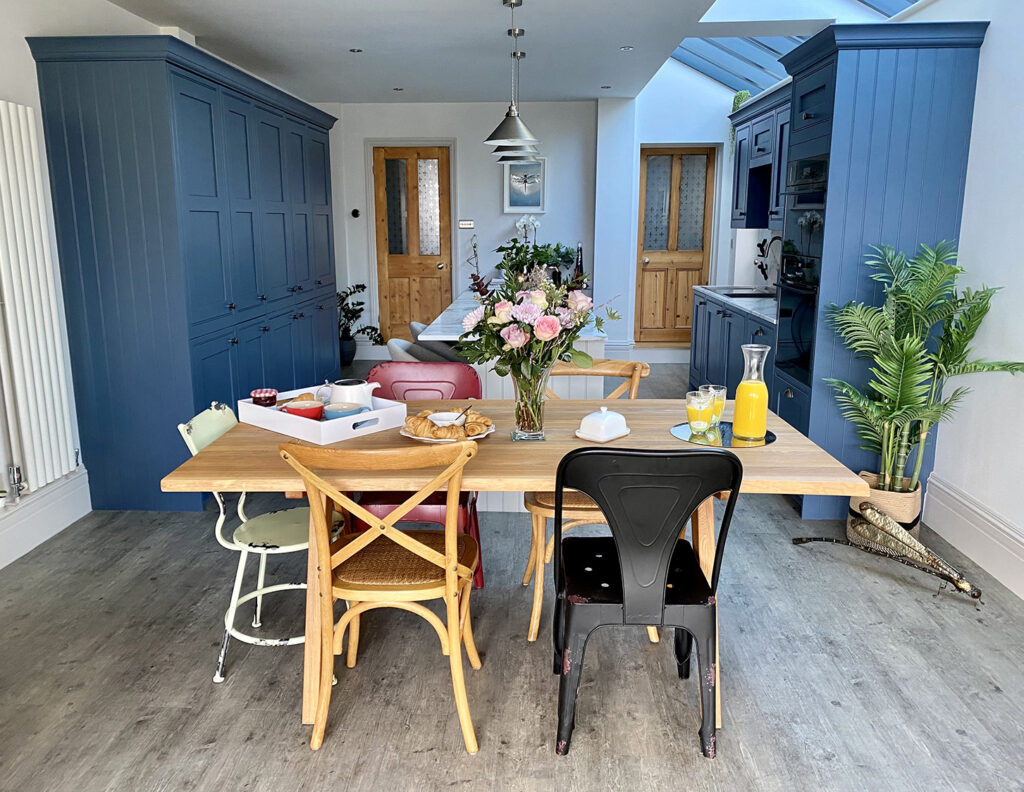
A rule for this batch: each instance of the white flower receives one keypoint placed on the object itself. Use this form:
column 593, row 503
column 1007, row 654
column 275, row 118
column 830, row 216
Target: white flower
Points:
column 472, row 319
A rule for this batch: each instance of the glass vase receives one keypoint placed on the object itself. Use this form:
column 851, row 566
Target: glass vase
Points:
column 529, row 399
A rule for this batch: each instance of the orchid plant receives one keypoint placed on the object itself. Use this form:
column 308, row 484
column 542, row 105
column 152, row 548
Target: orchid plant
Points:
column 525, row 326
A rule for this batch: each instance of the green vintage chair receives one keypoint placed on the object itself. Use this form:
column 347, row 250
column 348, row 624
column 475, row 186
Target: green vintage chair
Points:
column 284, row 531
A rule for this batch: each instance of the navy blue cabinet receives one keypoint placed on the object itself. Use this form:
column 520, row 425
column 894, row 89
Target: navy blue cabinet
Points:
column 741, row 168
column 721, row 327
column 761, row 142
column 777, row 198
column 193, row 218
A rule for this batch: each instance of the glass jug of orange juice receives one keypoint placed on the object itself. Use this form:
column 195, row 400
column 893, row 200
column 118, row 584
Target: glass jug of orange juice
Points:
column 750, row 414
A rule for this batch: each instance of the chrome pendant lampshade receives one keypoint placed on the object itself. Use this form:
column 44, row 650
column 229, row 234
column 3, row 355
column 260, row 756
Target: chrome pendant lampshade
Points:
column 512, row 131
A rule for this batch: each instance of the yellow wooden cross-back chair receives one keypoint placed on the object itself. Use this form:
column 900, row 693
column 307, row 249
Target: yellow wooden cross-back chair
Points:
column 384, row 567
column 577, row 509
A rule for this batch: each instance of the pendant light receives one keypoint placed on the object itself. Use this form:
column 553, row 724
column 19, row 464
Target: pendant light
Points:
column 512, row 131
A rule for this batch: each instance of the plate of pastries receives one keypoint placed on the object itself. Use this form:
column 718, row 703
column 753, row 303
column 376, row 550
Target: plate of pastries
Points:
column 446, row 426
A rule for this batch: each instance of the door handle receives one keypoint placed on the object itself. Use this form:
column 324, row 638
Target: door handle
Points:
column 293, row 289
column 788, row 393
column 759, row 148
column 807, row 116
column 440, row 265
column 265, row 329
column 231, row 306
column 719, row 312
column 263, row 298
column 234, row 341
column 319, row 282
column 645, row 260
column 759, row 331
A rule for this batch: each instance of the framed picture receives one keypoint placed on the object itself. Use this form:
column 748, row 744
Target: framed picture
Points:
column 524, row 186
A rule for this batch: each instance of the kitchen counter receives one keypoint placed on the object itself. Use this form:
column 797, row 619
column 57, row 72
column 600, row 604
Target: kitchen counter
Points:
column 758, row 301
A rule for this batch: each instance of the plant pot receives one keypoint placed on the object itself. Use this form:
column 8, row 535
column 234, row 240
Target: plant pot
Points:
column 348, row 351
column 903, row 507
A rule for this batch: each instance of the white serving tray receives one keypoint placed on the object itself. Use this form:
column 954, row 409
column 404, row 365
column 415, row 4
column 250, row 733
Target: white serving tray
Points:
column 386, row 414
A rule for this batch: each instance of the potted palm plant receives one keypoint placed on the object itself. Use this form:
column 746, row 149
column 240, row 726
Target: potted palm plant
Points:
column 349, row 312
column 917, row 340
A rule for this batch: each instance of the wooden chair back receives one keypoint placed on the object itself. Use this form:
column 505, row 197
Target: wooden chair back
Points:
column 308, row 460
column 631, row 371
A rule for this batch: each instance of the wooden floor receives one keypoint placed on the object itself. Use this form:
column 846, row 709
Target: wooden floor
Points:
column 844, row 672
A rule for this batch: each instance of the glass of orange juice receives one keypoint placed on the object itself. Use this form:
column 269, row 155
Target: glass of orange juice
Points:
column 699, row 407
column 717, row 393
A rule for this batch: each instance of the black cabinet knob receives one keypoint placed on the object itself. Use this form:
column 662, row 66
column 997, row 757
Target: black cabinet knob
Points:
column 807, row 116
column 299, row 288
column 234, row 341
column 293, row 289
column 788, row 393
column 759, row 331
column 702, row 303
column 320, row 307
column 719, row 312
column 774, row 212
column 759, row 148
column 319, row 282
column 265, row 329
column 742, row 214
column 231, row 306
column 263, row 297
column 299, row 316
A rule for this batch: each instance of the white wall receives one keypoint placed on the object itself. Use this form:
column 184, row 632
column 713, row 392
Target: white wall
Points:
column 566, row 131
column 678, row 106
column 974, row 498
column 48, row 511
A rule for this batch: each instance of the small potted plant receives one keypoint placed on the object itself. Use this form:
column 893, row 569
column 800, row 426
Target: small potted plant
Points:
column 349, row 312
column 919, row 338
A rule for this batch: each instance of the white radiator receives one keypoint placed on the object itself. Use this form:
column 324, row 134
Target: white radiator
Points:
column 32, row 354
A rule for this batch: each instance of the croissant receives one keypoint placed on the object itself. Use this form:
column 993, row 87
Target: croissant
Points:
column 419, row 426
column 423, row 413
column 449, row 433
column 474, row 428
column 475, row 417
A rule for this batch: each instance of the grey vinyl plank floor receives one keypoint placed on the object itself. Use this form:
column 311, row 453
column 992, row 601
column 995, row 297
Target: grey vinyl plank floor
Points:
column 842, row 672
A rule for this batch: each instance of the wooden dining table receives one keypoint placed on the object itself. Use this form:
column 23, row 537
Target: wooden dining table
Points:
column 246, row 459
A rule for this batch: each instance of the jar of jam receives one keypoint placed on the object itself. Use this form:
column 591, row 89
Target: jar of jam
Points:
column 264, row 397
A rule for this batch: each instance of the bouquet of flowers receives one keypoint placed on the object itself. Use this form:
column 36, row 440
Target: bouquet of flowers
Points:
column 524, row 327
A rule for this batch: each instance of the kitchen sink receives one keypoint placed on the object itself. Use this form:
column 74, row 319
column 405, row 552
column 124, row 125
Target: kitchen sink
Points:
column 750, row 293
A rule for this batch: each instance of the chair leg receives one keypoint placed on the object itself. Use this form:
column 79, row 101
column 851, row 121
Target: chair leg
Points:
column 467, row 631
column 458, row 679
column 539, row 528
column 706, row 663
column 532, row 561
column 683, row 646
column 558, row 633
column 473, row 529
column 229, row 616
column 327, row 681
column 256, row 622
column 577, row 631
column 353, row 639
column 652, row 635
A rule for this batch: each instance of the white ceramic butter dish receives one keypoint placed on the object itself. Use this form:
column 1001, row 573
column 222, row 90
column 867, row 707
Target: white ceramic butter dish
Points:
column 603, row 426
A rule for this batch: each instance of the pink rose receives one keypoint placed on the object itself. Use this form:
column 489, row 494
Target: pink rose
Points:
column 522, row 295
column 526, row 312
column 503, row 312
column 515, row 336
column 578, row 301
column 539, row 298
column 547, row 327
column 472, row 319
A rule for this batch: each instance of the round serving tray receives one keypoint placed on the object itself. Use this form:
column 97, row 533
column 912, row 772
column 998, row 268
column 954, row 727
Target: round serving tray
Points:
column 718, row 436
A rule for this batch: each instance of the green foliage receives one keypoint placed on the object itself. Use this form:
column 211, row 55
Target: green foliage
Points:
column 350, row 312
column 916, row 340
column 739, row 98
column 521, row 258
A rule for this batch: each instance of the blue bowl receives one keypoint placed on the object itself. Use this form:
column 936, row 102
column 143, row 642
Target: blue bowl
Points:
column 342, row 409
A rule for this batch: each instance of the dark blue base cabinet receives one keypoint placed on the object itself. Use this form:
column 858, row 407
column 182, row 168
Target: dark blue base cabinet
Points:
column 193, row 215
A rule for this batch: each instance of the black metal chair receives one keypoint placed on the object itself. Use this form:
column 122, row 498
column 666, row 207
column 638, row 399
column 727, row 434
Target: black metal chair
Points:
column 644, row 573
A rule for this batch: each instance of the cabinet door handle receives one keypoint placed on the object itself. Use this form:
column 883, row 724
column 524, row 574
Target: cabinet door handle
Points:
column 293, row 289
column 320, row 307
column 719, row 312
column 702, row 303
column 807, row 116
column 319, row 282
column 788, row 393
column 742, row 214
column 263, row 298
column 759, row 148
column 234, row 341
column 265, row 329
column 774, row 212
column 299, row 316
column 299, row 288
column 726, row 315
column 231, row 306
column 759, row 331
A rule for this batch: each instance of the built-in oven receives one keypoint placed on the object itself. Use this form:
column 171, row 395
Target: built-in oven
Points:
column 798, row 306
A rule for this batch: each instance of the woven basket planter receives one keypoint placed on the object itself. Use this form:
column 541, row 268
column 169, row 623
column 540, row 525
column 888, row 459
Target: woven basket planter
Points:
column 903, row 507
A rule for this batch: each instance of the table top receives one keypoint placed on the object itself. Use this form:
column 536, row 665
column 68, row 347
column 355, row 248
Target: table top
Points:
column 246, row 458
column 448, row 326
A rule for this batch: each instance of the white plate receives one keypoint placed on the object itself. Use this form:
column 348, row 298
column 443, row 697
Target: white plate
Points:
column 404, row 433
column 593, row 439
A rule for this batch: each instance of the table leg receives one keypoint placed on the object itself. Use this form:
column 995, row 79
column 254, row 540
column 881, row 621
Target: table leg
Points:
column 311, row 649
column 703, row 527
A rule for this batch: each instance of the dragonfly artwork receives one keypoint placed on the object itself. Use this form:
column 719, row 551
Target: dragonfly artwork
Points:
column 524, row 186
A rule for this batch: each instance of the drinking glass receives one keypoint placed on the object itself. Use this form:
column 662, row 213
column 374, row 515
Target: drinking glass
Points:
column 699, row 407
column 717, row 393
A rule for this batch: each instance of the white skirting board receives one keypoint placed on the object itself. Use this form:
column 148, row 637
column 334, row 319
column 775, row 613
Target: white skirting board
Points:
column 43, row 514
column 627, row 350
column 988, row 539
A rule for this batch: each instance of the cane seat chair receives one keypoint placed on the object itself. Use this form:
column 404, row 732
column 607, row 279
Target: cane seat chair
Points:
column 274, row 533
column 384, row 567
column 578, row 508
column 644, row 573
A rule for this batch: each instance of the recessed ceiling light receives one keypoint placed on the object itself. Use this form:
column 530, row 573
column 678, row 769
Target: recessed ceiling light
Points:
column 398, row 89
column 605, row 87
column 355, row 49
column 626, row 48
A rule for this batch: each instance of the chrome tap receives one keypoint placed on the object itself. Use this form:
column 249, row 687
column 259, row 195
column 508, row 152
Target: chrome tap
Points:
column 763, row 249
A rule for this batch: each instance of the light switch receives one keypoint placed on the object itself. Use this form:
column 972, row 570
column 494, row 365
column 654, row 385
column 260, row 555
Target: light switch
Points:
column 467, row 224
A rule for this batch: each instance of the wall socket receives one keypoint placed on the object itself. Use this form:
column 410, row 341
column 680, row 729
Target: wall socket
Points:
column 467, row 224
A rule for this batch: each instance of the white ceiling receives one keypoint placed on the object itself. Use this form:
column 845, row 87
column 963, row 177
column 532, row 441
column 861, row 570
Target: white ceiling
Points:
column 437, row 51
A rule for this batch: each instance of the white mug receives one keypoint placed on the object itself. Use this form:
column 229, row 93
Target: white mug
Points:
column 349, row 390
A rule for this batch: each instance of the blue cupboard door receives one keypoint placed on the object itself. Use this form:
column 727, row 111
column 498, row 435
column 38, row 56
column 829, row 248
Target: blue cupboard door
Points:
column 318, row 177
column 761, row 332
column 205, row 231
column 247, row 366
column 812, row 105
column 275, row 223
column 212, row 370
column 740, row 176
column 297, row 196
column 278, row 371
column 303, row 346
column 699, row 340
column 777, row 201
column 240, row 158
column 326, row 356
column 733, row 337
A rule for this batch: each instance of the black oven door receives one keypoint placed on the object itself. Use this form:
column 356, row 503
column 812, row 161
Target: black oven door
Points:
column 798, row 304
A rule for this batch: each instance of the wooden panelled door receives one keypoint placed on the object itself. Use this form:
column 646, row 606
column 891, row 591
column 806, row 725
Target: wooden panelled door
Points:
column 674, row 247
column 411, row 191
